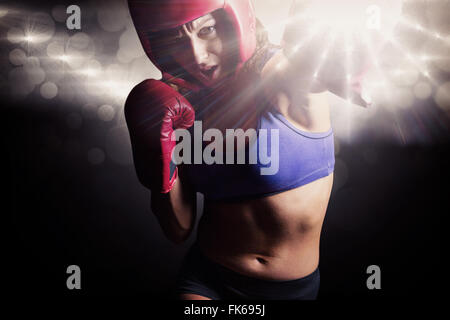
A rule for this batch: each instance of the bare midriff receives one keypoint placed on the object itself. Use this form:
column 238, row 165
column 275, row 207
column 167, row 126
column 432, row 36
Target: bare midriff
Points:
column 275, row 237
column 272, row 238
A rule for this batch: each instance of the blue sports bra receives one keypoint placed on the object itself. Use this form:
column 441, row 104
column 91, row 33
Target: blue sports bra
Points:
column 303, row 158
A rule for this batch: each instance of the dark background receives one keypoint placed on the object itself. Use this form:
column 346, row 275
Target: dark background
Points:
column 61, row 210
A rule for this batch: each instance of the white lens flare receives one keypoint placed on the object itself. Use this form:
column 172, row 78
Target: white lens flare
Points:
column 64, row 58
column 29, row 38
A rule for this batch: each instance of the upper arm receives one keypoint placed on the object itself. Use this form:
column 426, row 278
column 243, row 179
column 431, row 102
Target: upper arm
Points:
column 176, row 211
column 299, row 99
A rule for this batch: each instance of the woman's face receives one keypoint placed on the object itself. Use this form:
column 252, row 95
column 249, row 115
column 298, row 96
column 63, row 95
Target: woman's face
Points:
column 204, row 48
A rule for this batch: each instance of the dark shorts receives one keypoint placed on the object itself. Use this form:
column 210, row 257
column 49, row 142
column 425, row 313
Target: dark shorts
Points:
column 202, row 276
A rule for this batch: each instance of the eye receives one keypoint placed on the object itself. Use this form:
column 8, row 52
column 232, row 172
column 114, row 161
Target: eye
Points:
column 207, row 30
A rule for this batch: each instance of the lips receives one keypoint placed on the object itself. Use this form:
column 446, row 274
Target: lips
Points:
column 209, row 72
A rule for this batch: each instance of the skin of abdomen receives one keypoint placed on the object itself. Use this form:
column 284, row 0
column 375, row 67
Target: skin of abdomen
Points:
column 275, row 237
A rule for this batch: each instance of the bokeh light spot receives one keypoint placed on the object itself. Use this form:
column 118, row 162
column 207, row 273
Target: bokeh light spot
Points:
column 442, row 96
column 106, row 113
column 17, row 57
column 49, row 90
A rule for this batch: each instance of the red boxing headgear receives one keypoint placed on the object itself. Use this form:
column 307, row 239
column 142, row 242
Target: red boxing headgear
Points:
column 157, row 15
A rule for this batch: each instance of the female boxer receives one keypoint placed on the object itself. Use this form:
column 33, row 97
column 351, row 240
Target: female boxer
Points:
column 259, row 235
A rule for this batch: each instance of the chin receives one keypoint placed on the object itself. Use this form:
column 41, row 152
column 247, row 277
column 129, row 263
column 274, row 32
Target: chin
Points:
column 210, row 81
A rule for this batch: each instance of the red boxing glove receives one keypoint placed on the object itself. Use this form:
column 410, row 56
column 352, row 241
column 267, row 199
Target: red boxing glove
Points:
column 153, row 112
column 337, row 61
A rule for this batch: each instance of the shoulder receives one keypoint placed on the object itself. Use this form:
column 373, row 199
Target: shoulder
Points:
column 274, row 64
column 260, row 58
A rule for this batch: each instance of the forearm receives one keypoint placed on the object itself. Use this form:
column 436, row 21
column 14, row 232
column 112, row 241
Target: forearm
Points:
column 176, row 211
